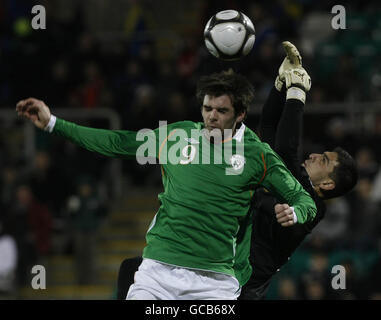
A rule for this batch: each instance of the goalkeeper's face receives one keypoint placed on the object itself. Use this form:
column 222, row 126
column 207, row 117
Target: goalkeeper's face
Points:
column 218, row 114
column 319, row 168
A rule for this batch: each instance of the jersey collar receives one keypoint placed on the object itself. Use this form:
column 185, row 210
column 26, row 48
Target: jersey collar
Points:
column 239, row 133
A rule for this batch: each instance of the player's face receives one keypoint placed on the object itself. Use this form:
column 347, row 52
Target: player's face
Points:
column 320, row 166
column 218, row 113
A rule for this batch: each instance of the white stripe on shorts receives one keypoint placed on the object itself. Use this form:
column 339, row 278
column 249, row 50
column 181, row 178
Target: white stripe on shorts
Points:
column 155, row 280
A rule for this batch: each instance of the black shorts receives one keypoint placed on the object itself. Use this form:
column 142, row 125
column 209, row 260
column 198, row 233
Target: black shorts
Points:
column 126, row 276
column 251, row 291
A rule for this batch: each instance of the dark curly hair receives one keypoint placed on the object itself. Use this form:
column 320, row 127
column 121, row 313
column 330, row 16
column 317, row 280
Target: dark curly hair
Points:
column 236, row 86
column 345, row 175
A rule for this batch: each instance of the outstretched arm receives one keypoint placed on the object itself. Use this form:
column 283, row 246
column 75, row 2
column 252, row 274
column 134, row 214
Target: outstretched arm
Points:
column 270, row 117
column 282, row 115
column 289, row 135
column 34, row 110
column 273, row 108
column 290, row 127
column 111, row 143
column 287, row 189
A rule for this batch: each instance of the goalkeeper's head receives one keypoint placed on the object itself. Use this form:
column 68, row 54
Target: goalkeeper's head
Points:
column 333, row 174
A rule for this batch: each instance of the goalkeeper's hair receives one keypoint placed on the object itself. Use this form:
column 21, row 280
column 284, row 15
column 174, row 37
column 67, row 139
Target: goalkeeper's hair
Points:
column 344, row 175
column 236, row 86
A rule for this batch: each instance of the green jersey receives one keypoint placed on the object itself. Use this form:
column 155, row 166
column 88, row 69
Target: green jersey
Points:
column 203, row 218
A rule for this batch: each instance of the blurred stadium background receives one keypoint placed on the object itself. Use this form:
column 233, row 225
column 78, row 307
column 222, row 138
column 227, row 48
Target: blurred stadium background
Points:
column 126, row 64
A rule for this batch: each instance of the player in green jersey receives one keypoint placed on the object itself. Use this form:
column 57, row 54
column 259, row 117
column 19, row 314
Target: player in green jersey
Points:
column 210, row 170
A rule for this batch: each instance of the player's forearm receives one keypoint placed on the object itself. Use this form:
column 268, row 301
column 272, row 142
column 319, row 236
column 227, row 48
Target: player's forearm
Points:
column 280, row 182
column 106, row 142
column 303, row 205
column 271, row 114
column 289, row 133
column 304, row 208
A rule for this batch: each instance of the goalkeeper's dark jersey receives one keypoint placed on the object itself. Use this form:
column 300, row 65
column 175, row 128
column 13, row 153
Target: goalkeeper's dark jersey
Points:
column 272, row 245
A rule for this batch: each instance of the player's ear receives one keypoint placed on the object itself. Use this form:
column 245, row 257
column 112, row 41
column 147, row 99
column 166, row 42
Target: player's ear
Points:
column 241, row 116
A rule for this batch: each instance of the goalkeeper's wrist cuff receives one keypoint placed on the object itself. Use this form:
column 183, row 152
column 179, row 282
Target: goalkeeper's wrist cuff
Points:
column 52, row 122
column 296, row 93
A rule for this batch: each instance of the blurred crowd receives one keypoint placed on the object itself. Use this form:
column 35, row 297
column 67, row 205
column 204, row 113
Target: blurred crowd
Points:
column 74, row 65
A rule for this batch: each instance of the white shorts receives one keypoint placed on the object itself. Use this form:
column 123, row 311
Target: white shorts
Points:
column 159, row 281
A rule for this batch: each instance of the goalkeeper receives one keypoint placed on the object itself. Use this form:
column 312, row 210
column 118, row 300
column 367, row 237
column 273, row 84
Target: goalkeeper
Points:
column 203, row 223
column 324, row 176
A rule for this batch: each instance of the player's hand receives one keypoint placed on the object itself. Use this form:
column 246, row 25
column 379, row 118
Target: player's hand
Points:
column 292, row 60
column 284, row 214
column 35, row 110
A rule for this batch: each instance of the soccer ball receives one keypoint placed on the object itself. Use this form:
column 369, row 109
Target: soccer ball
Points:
column 229, row 35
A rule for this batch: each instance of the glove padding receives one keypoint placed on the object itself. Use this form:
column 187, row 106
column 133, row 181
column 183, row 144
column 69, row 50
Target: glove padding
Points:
column 298, row 78
column 292, row 60
column 298, row 82
column 292, row 74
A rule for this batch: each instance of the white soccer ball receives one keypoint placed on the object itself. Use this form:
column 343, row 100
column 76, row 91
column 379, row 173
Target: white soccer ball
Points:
column 229, row 35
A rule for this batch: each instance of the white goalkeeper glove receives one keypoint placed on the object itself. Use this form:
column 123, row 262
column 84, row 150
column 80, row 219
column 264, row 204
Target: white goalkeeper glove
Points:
column 298, row 82
column 292, row 60
column 292, row 74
